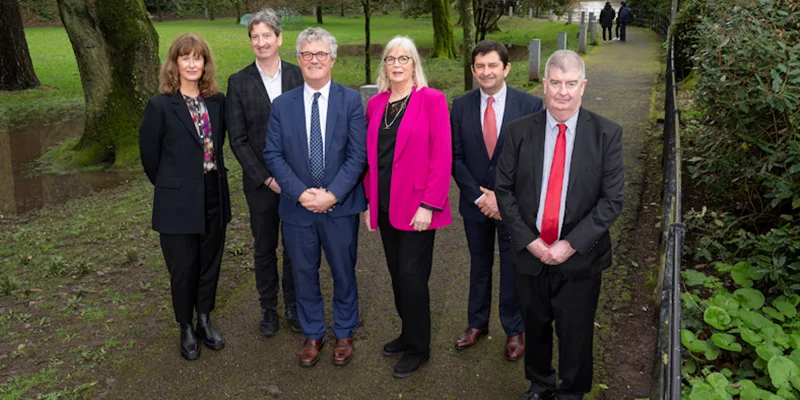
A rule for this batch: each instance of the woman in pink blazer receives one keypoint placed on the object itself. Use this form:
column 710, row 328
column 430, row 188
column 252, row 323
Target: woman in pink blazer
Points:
column 407, row 184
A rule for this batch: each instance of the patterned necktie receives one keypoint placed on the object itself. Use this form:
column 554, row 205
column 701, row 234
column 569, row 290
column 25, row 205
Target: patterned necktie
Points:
column 490, row 127
column 315, row 145
column 552, row 202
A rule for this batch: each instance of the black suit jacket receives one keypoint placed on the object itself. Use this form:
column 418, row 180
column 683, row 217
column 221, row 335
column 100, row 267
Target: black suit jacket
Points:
column 247, row 114
column 472, row 166
column 594, row 194
column 172, row 157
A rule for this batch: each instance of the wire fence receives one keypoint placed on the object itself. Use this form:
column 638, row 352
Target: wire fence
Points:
column 667, row 363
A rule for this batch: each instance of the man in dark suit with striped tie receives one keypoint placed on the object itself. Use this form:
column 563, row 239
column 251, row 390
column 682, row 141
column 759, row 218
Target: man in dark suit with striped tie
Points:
column 478, row 119
column 559, row 188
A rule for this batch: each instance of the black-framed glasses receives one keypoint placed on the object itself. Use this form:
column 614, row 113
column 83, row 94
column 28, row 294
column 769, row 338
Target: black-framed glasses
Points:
column 403, row 60
column 321, row 55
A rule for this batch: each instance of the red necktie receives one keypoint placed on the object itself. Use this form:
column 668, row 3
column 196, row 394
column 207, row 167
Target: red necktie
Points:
column 552, row 202
column 490, row 127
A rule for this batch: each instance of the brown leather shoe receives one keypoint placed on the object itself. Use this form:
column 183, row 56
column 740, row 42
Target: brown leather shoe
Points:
column 515, row 347
column 470, row 337
column 309, row 354
column 342, row 352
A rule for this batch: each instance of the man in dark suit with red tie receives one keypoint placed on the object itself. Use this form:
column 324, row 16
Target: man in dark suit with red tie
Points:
column 559, row 188
column 478, row 119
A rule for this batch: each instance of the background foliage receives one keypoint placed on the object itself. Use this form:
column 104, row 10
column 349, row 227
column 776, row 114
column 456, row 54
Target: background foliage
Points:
column 742, row 288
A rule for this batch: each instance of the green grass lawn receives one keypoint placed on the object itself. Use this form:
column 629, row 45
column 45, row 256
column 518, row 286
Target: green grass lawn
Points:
column 61, row 91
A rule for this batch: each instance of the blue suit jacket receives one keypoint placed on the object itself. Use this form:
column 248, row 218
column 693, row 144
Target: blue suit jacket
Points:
column 472, row 166
column 286, row 153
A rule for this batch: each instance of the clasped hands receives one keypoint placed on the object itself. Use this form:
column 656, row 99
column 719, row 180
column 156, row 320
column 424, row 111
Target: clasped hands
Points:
column 421, row 220
column 488, row 204
column 318, row 200
column 554, row 254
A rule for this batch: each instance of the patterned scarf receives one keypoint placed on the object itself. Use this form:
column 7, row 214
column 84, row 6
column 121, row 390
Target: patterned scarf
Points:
column 197, row 107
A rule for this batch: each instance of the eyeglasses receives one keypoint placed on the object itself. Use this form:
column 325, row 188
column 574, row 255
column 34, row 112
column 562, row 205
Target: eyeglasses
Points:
column 321, row 55
column 403, row 60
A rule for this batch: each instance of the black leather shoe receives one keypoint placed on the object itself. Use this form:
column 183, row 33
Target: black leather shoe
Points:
column 211, row 337
column 409, row 364
column 269, row 322
column 189, row 348
column 291, row 315
column 548, row 395
column 393, row 348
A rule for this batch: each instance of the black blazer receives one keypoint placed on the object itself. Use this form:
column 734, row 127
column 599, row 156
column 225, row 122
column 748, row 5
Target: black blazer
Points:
column 172, row 156
column 594, row 195
column 472, row 167
column 247, row 112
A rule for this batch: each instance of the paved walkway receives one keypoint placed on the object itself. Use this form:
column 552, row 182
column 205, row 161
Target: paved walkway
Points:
column 621, row 78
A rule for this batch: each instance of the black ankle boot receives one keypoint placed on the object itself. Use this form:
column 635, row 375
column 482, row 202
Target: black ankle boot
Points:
column 211, row 338
column 189, row 348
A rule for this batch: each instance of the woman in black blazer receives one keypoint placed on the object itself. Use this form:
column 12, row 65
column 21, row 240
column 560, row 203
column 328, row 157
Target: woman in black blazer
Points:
column 180, row 142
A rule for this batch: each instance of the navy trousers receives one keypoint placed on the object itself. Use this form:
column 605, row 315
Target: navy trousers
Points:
column 480, row 239
column 338, row 237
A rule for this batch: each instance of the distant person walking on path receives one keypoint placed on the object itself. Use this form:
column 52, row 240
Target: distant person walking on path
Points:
column 180, row 142
column 607, row 20
column 409, row 158
column 478, row 119
column 623, row 20
column 316, row 151
column 559, row 188
column 251, row 92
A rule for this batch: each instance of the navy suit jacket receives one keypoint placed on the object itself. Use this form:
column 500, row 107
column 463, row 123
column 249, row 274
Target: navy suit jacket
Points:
column 286, row 153
column 472, row 166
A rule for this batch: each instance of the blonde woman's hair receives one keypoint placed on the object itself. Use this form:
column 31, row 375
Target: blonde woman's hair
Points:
column 184, row 45
column 406, row 43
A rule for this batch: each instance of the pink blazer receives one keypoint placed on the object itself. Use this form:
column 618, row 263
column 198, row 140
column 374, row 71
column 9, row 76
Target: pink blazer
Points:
column 423, row 159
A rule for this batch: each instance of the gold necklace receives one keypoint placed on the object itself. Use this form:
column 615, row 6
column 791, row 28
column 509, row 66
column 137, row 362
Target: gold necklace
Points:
column 387, row 125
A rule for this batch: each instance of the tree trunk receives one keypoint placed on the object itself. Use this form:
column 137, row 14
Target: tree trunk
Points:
column 238, row 6
column 342, row 9
column 211, row 9
column 116, row 47
column 16, row 68
column 367, row 62
column 319, row 14
column 444, row 46
column 465, row 10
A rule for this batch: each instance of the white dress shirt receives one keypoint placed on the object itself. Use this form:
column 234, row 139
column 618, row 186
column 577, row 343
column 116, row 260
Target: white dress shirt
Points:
column 272, row 84
column 499, row 107
column 308, row 95
column 551, row 134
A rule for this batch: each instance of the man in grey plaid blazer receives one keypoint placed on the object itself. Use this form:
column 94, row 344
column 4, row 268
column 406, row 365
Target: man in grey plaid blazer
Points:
column 247, row 109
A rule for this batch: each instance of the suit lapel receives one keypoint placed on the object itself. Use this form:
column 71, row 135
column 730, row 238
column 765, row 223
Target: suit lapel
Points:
column 475, row 105
column 213, row 118
column 407, row 121
column 582, row 129
column 182, row 111
column 334, row 99
column 258, row 83
column 287, row 78
column 538, row 133
column 300, row 135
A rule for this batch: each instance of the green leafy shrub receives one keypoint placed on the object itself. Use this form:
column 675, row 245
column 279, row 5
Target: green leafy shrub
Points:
column 748, row 88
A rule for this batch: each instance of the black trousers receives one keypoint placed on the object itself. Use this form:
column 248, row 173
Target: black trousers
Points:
column 617, row 30
column 265, row 225
column 409, row 256
column 194, row 260
column 608, row 28
column 571, row 304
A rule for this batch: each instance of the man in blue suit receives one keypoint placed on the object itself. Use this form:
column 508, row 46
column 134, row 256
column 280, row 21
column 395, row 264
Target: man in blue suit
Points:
column 316, row 150
column 478, row 119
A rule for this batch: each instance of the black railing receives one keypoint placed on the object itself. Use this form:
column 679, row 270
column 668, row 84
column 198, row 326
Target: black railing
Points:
column 667, row 364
